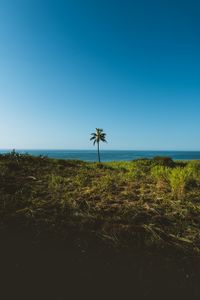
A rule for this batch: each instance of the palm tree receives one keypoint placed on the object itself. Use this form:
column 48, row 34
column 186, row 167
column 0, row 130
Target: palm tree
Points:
column 97, row 137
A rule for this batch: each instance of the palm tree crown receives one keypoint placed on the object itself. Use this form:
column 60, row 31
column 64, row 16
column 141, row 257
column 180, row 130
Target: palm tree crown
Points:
column 97, row 137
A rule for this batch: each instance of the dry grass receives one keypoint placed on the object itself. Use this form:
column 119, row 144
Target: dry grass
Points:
column 144, row 203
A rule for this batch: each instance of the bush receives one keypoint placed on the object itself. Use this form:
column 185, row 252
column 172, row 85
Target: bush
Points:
column 194, row 167
column 176, row 178
column 179, row 178
column 163, row 161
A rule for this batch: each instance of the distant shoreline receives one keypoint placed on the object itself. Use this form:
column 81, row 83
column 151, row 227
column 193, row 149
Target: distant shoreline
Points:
column 107, row 155
column 92, row 150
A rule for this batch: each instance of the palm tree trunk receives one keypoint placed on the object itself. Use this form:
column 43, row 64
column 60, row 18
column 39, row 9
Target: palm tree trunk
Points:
column 98, row 152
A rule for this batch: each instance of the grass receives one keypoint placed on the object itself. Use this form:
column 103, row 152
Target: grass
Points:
column 148, row 204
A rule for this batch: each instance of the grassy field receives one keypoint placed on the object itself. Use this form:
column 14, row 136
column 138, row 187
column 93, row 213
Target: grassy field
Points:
column 145, row 204
column 118, row 230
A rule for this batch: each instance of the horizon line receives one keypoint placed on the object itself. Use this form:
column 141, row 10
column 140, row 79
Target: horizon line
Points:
column 76, row 149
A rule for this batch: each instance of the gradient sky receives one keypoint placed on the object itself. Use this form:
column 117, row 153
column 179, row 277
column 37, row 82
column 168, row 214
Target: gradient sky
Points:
column 129, row 67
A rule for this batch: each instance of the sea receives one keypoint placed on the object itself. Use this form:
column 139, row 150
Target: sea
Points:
column 108, row 155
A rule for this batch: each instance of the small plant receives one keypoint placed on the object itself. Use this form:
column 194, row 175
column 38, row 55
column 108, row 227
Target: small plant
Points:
column 161, row 174
column 194, row 167
column 177, row 179
column 163, row 161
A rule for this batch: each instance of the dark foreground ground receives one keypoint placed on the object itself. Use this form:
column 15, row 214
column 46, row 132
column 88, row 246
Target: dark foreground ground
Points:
column 74, row 230
column 83, row 269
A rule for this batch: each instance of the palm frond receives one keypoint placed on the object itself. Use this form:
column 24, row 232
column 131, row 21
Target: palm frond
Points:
column 104, row 140
column 92, row 138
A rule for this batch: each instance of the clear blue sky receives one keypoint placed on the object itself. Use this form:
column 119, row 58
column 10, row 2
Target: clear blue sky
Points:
column 129, row 67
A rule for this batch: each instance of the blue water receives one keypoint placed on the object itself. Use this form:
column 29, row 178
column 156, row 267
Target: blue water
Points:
column 110, row 155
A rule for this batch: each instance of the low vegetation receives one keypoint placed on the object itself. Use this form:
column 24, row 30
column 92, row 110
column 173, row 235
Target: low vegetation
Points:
column 144, row 203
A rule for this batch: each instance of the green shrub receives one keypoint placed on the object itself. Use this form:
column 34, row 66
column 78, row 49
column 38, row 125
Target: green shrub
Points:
column 194, row 167
column 179, row 178
column 161, row 174
column 176, row 178
column 163, row 161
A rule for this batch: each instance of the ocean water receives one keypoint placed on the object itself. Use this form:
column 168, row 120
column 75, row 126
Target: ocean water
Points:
column 110, row 155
